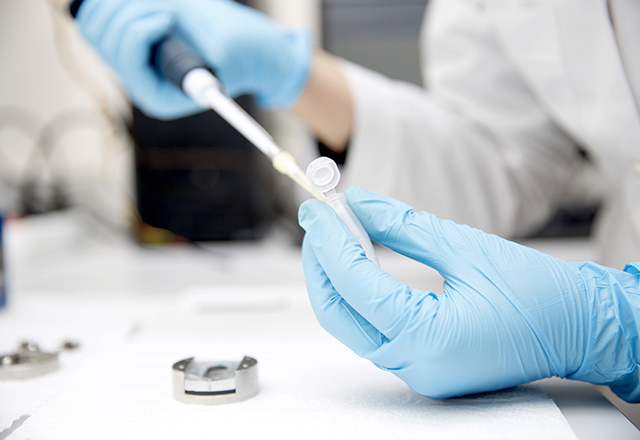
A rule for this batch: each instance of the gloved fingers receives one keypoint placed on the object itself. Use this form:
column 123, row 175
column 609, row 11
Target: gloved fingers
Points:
column 373, row 293
column 334, row 314
column 250, row 52
column 158, row 21
column 224, row 50
column 440, row 244
column 94, row 16
column 155, row 95
column 219, row 54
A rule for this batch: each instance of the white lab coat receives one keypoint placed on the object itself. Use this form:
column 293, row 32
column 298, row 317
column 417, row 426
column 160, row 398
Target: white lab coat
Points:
column 513, row 88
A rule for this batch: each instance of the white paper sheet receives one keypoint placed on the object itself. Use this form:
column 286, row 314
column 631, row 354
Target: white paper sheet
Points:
column 311, row 387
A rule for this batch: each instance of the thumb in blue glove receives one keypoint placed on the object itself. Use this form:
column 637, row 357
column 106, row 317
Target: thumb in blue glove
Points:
column 250, row 53
column 508, row 315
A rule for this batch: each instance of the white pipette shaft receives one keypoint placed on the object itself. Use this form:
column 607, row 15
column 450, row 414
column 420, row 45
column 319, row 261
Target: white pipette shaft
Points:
column 201, row 86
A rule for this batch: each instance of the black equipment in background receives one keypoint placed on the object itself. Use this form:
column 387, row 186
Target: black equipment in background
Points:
column 198, row 178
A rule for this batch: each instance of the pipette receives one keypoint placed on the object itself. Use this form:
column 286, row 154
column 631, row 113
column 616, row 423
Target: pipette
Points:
column 186, row 70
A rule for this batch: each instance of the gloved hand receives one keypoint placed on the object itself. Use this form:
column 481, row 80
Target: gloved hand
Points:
column 509, row 314
column 249, row 52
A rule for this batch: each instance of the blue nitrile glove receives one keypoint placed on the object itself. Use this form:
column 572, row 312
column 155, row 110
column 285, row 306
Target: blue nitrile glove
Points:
column 509, row 314
column 249, row 52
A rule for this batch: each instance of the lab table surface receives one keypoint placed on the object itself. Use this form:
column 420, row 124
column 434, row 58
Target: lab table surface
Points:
column 136, row 310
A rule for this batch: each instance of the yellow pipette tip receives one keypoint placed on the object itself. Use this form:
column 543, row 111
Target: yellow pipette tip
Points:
column 285, row 163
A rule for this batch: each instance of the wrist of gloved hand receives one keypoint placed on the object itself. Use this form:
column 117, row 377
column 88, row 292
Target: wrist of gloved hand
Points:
column 612, row 346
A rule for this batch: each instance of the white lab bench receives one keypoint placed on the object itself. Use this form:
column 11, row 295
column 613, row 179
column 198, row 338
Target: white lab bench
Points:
column 135, row 311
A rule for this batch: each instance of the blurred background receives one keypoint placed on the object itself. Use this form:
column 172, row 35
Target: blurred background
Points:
column 69, row 139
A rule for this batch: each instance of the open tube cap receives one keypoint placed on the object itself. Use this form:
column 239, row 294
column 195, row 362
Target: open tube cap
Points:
column 323, row 174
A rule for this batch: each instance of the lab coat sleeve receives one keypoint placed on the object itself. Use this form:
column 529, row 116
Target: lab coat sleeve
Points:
column 475, row 146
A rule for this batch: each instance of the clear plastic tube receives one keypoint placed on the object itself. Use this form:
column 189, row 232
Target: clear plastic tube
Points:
column 323, row 175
